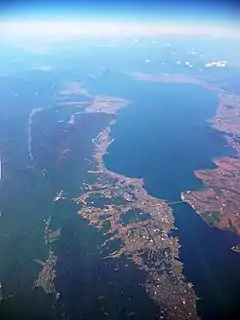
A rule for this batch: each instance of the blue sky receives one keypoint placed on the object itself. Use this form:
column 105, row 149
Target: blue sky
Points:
column 201, row 14
column 149, row 10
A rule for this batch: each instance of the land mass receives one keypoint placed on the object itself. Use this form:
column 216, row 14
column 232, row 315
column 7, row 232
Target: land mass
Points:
column 218, row 202
column 141, row 225
column 135, row 225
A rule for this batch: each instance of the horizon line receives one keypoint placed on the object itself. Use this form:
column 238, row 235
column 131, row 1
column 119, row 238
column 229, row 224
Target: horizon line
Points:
column 77, row 28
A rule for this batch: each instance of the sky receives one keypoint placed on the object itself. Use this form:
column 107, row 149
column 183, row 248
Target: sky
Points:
column 200, row 14
column 127, row 9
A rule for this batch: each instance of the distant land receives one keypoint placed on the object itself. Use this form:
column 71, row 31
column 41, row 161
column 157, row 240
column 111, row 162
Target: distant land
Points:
column 218, row 202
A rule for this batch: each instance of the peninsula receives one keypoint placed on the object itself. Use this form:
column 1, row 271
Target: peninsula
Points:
column 138, row 225
column 135, row 225
column 120, row 208
column 218, row 202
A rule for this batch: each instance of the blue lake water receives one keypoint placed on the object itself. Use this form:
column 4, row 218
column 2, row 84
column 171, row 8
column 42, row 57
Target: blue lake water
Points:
column 163, row 136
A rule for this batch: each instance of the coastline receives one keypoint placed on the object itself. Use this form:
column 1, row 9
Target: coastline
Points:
column 217, row 201
column 145, row 242
column 110, row 185
column 226, row 121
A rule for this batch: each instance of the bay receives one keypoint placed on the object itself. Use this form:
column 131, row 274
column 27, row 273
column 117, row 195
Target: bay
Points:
column 163, row 136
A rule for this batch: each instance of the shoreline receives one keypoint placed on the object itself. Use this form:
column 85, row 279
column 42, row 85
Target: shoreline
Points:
column 224, row 121
column 166, row 285
column 216, row 201
column 152, row 236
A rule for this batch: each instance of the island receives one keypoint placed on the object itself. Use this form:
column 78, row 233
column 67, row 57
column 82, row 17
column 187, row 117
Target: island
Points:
column 47, row 275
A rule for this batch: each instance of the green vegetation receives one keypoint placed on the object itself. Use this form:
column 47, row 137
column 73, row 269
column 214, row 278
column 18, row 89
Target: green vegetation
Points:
column 211, row 217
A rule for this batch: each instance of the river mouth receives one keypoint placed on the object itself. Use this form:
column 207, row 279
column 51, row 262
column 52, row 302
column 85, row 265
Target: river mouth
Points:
column 163, row 136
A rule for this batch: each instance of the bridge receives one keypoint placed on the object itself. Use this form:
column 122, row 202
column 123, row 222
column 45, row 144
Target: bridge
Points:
column 175, row 202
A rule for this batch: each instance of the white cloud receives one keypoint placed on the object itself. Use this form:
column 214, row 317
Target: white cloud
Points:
column 216, row 64
column 37, row 48
column 43, row 68
column 76, row 28
column 188, row 64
